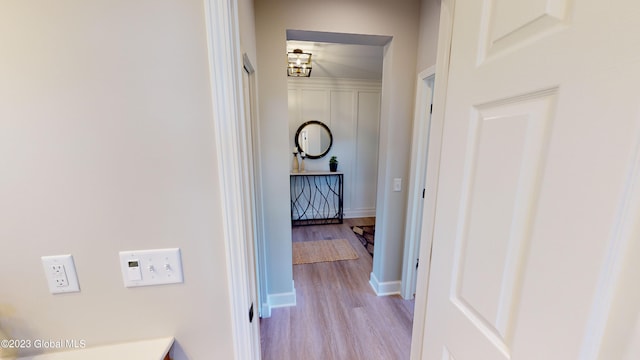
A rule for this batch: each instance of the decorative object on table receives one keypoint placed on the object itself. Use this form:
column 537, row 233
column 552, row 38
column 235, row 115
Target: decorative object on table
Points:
column 295, row 160
column 298, row 63
column 333, row 164
column 302, row 156
column 314, row 138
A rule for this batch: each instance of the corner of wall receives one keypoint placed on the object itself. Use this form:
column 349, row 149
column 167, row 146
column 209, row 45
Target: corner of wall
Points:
column 279, row 300
column 384, row 288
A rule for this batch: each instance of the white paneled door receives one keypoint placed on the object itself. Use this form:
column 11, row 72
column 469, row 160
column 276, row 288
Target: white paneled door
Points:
column 538, row 188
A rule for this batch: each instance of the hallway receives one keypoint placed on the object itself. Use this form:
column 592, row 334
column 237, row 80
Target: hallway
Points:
column 338, row 316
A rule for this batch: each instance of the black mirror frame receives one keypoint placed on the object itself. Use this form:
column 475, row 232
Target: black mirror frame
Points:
column 314, row 122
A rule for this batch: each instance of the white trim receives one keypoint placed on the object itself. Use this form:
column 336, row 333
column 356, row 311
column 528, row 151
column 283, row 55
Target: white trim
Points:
column 359, row 213
column 415, row 202
column 252, row 197
column 280, row 300
column 426, row 73
column 265, row 310
column 445, row 33
column 322, row 83
column 260, row 243
column 384, row 288
column 228, row 110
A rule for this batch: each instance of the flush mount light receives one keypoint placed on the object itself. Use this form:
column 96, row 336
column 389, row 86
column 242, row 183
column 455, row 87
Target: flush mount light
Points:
column 298, row 63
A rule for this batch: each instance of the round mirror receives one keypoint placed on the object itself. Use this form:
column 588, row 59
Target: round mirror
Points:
column 314, row 138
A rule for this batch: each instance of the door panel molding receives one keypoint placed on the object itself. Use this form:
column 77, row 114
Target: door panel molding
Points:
column 501, row 31
column 509, row 137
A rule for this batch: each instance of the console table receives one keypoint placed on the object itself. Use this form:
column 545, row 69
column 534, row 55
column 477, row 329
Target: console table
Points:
column 316, row 198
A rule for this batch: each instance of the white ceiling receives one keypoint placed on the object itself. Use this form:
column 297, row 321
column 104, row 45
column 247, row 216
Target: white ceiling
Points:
column 342, row 60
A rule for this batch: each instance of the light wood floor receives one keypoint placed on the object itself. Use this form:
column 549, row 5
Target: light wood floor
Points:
column 338, row 316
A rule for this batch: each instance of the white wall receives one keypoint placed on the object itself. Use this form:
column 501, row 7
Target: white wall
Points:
column 106, row 144
column 398, row 19
column 351, row 110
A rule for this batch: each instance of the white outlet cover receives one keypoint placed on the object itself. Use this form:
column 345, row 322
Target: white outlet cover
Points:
column 151, row 267
column 60, row 272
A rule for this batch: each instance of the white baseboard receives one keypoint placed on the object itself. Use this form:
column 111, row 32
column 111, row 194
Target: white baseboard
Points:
column 279, row 300
column 359, row 213
column 385, row 288
column 265, row 311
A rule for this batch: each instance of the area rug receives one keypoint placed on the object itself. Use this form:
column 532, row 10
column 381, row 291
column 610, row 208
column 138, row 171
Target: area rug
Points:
column 308, row 252
column 366, row 235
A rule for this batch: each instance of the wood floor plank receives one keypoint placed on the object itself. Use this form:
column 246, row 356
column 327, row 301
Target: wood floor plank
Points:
column 337, row 316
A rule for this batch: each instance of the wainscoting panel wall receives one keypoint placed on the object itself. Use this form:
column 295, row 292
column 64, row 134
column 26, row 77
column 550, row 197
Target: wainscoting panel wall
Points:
column 351, row 109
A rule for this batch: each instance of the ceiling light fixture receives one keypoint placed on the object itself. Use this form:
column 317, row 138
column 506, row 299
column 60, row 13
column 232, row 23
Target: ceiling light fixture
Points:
column 299, row 63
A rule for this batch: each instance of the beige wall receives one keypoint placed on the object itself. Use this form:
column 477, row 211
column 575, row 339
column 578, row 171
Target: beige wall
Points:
column 428, row 40
column 106, row 144
column 247, row 29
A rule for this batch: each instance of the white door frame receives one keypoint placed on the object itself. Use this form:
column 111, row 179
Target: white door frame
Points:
column 225, row 63
column 258, row 221
column 253, row 200
column 417, row 184
column 445, row 32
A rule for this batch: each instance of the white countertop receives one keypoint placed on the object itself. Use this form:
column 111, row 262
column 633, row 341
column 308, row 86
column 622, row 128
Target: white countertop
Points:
column 155, row 349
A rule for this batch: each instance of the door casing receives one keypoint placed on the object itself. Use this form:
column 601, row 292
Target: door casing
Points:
column 417, row 184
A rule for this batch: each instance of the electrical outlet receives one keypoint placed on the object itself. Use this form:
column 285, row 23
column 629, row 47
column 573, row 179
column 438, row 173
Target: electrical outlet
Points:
column 58, row 270
column 61, row 274
column 62, row 281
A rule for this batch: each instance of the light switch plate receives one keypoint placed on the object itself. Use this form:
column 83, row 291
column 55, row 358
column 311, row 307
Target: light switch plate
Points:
column 151, row 267
column 60, row 272
column 397, row 184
